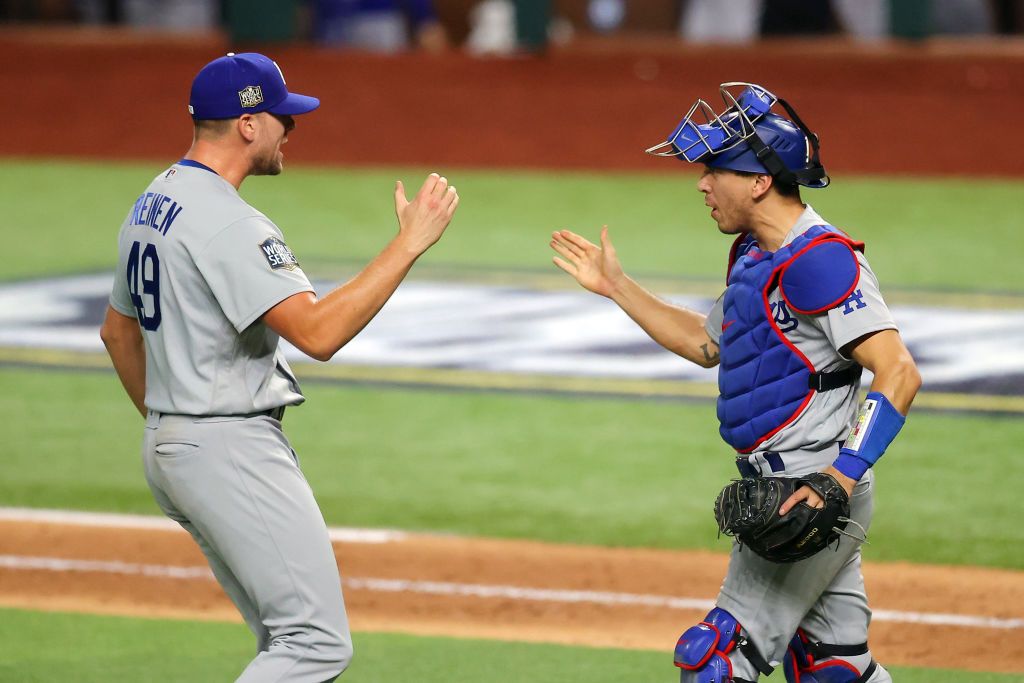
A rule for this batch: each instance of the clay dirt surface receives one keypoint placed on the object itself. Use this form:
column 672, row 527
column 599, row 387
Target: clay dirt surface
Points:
column 906, row 588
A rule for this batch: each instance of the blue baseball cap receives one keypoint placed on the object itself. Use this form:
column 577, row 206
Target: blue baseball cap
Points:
column 244, row 83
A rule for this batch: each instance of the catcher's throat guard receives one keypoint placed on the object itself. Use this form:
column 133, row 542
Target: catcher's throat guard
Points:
column 747, row 136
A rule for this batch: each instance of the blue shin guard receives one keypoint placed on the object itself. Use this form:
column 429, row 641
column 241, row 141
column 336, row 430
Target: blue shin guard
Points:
column 809, row 662
column 703, row 650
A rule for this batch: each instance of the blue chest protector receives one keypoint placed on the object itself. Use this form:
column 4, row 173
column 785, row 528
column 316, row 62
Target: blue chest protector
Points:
column 764, row 380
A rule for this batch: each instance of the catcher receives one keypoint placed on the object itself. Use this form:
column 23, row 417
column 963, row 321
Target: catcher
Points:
column 800, row 317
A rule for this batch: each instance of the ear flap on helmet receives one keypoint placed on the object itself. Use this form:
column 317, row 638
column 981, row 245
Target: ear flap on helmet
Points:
column 812, row 175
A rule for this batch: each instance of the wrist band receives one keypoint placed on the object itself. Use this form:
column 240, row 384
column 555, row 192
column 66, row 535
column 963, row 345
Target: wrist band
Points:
column 878, row 423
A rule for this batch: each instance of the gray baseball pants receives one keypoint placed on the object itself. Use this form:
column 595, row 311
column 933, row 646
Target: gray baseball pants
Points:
column 824, row 594
column 235, row 485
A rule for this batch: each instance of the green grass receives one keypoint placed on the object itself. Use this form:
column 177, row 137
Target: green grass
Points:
column 578, row 470
column 94, row 649
column 934, row 233
column 575, row 470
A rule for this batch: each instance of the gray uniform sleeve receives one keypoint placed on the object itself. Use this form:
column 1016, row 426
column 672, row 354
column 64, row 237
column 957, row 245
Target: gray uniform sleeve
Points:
column 249, row 269
column 862, row 313
column 120, row 298
column 713, row 323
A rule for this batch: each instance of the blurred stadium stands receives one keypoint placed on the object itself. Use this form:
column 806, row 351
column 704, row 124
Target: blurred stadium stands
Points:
column 538, row 22
column 608, row 81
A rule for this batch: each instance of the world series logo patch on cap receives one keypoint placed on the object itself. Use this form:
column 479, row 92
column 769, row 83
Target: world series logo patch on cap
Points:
column 278, row 254
column 251, row 95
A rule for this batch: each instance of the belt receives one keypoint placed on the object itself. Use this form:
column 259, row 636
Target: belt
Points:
column 275, row 413
column 747, row 470
column 826, row 381
column 774, row 461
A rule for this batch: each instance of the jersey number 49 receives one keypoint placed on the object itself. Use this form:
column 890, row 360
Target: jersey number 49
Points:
column 144, row 268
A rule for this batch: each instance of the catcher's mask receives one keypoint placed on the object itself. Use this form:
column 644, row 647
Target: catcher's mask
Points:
column 747, row 136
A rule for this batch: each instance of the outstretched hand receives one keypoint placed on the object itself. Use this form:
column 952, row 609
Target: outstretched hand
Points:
column 422, row 221
column 595, row 268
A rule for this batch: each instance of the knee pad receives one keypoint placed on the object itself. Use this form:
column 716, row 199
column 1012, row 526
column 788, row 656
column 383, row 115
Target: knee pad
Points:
column 703, row 650
column 812, row 662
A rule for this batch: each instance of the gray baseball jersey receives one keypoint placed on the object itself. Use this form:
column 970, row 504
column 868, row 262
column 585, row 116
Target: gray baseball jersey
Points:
column 829, row 416
column 198, row 266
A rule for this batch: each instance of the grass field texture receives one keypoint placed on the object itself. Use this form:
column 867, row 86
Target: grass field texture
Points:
column 596, row 471
column 581, row 470
column 92, row 649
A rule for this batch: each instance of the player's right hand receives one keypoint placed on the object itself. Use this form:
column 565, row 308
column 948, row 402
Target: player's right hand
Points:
column 422, row 221
column 596, row 268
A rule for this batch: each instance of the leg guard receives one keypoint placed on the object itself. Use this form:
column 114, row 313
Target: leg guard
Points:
column 811, row 662
column 703, row 650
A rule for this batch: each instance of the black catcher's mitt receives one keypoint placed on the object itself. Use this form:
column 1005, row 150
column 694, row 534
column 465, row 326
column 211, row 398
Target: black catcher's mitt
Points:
column 749, row 510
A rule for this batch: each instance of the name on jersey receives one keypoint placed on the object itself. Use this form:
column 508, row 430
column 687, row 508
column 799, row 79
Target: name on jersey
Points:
column 156, row 211
column 278, row 254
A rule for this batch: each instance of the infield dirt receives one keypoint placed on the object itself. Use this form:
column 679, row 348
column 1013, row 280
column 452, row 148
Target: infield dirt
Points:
column 945, row 590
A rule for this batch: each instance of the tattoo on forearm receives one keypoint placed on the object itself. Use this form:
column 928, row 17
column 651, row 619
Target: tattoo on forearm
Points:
column 709, row 356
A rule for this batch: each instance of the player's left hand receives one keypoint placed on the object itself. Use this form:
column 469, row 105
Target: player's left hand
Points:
column 422, row 221
column 807, row 494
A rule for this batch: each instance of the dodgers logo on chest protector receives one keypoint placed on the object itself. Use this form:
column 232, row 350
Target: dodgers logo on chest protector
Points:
column 763, row 377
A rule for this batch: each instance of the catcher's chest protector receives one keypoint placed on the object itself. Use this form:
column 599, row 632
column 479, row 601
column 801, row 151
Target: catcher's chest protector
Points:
column 763, row 377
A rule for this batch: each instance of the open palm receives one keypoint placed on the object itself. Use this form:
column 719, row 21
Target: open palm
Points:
column 595, row 267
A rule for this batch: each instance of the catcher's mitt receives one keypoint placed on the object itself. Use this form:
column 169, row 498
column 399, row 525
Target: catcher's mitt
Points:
column 749, row 510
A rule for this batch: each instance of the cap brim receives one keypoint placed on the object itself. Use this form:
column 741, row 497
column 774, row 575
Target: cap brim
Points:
column 295, row 104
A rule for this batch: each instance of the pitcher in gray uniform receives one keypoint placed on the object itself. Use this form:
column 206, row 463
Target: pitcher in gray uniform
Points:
column 800, row 317
column 204, row 289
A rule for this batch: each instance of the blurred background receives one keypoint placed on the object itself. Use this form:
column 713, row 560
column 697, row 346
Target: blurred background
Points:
column 491, row 397
column 899, row 84
column 505, row 26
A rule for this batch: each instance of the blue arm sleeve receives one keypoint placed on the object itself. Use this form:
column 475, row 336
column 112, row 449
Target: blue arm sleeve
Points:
column 877, row 425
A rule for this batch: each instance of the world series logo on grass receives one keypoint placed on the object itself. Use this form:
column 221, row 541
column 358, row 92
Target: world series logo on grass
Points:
column 499, row 329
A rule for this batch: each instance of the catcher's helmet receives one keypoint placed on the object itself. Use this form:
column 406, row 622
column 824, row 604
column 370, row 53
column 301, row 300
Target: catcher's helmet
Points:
column 747, row 136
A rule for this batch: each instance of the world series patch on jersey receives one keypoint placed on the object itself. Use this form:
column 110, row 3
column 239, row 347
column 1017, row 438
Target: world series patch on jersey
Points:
column 278, row 254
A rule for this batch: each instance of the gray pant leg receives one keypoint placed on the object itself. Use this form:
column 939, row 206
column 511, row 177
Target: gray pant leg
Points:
column 235, row 481
column 841, row 616
column 880, row 676
column 771, row 600
column 220, row 570
column 229, row 582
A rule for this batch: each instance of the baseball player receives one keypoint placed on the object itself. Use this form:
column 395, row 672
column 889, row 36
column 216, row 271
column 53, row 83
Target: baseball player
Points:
column 799, row 318
column 204, row 289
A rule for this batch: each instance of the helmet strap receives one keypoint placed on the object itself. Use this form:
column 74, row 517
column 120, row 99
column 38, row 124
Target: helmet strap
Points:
column 771, row 160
